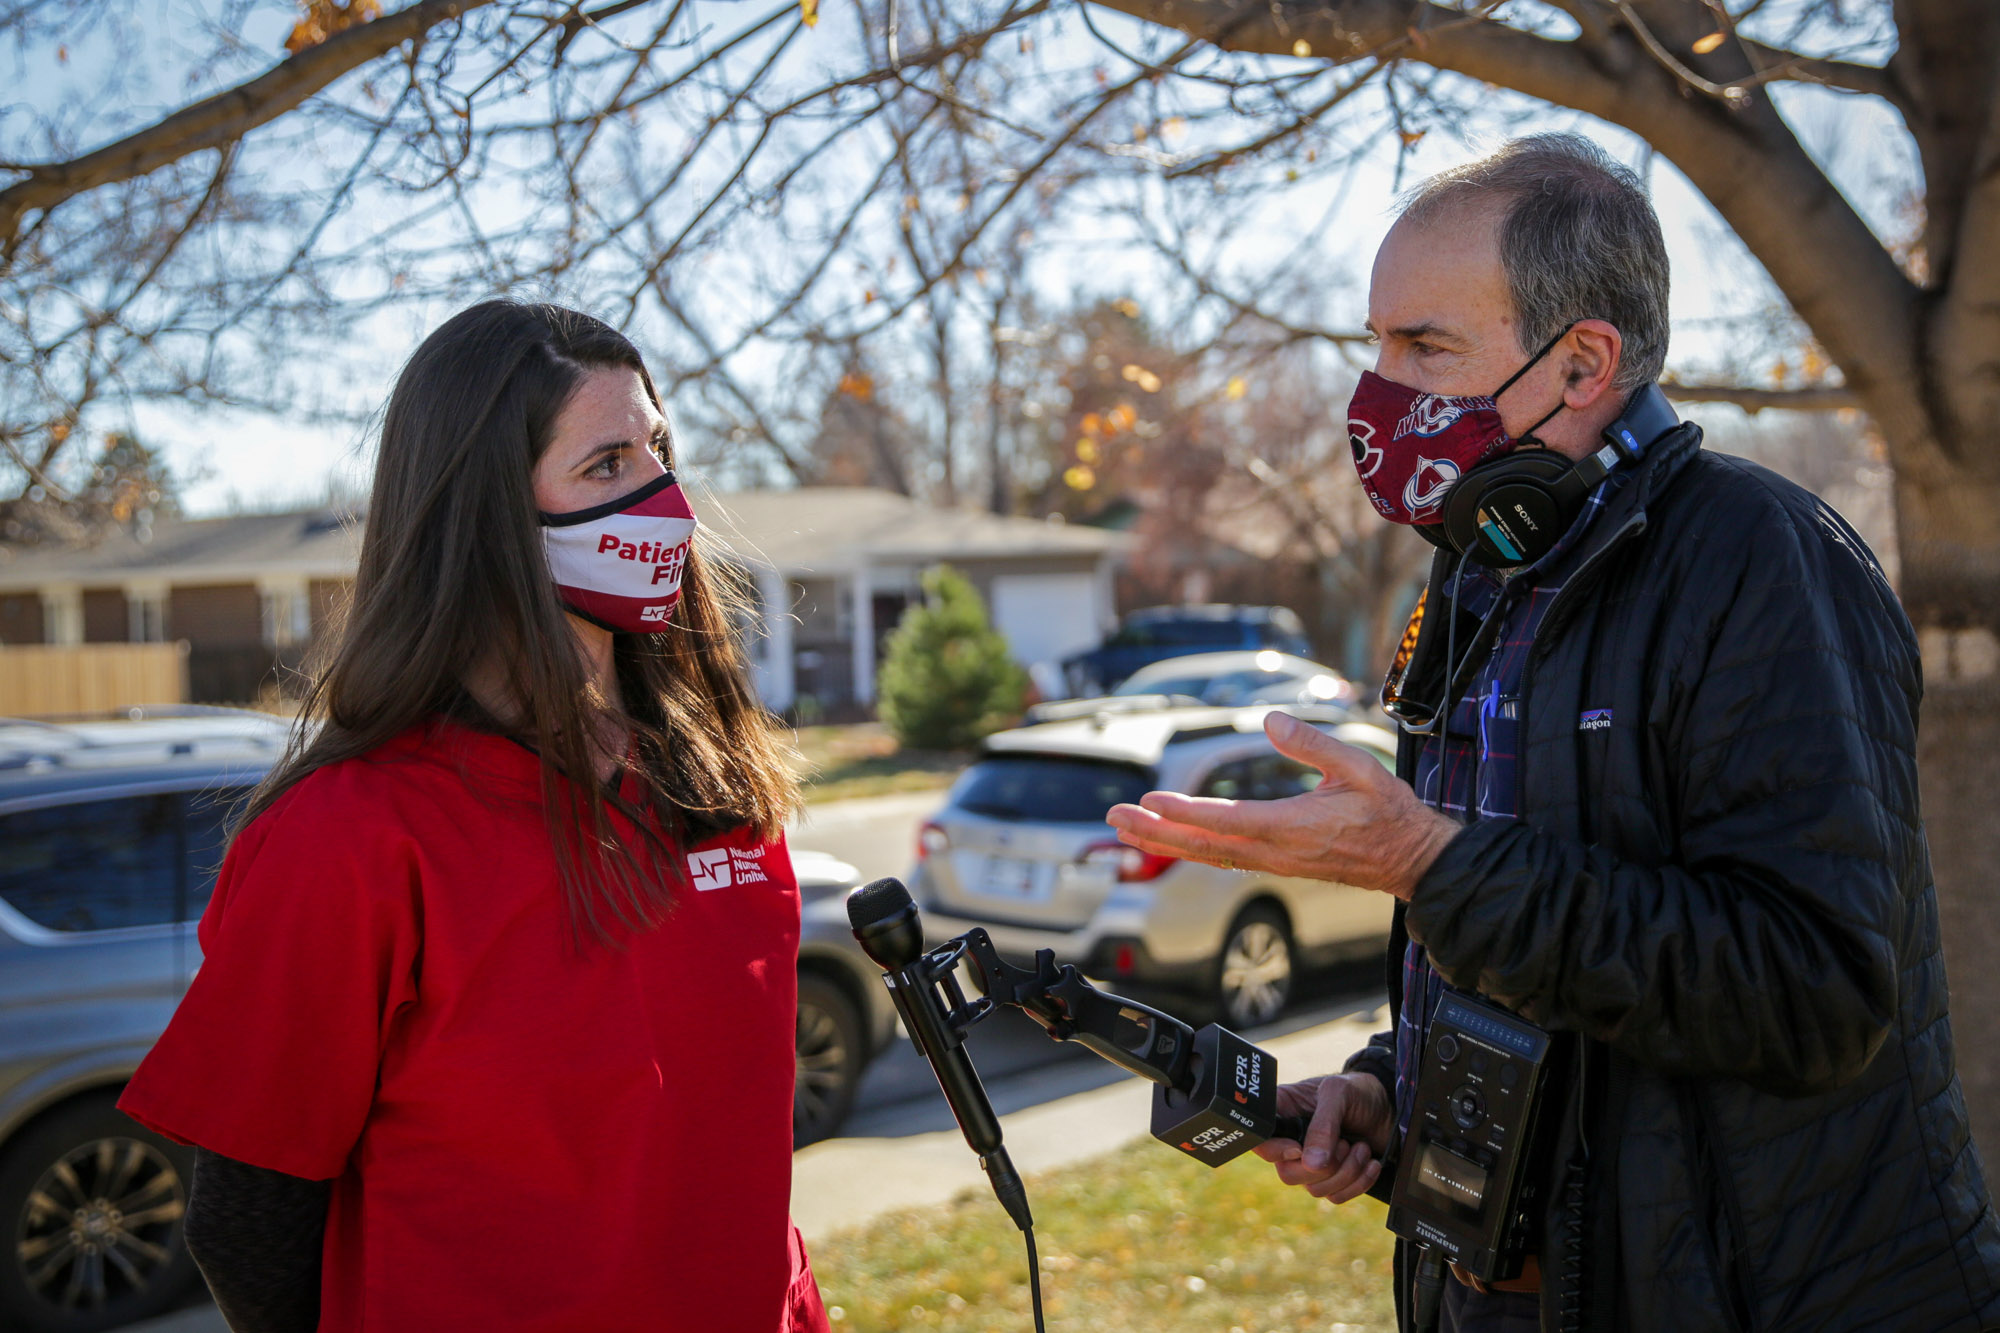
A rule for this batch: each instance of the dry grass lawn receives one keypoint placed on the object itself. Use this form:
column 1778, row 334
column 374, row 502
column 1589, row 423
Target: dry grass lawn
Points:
column 1140, row 1240
column 863, row 759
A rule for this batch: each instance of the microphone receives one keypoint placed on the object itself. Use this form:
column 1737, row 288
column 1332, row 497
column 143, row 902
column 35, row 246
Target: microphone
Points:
column 886, row 923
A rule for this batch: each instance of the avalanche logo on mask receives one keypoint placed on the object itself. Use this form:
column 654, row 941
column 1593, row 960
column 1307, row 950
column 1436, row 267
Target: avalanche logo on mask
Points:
column 620, row 564
column 1428, row 484
column 1367, row 454
column 1431, row 413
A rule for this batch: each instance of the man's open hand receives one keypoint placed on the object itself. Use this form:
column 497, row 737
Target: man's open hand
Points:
column 1361, row 826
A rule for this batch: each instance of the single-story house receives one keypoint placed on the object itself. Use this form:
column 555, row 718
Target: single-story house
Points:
column 833, row 569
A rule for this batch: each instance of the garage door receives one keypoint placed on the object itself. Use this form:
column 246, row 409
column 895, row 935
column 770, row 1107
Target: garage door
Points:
column 1046, row 617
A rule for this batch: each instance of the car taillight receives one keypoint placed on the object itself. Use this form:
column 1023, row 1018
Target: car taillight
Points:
column 932, row 839
column 1128, row 864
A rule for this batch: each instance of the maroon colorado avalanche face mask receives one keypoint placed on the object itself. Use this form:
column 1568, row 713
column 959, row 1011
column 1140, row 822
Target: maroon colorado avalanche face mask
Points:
column 1411, row 448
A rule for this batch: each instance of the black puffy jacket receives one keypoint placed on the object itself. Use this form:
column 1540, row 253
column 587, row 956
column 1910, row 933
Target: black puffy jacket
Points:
column 1725, row 894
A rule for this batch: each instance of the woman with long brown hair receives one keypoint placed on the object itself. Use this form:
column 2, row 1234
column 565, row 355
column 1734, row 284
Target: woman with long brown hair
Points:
column 495, row 1024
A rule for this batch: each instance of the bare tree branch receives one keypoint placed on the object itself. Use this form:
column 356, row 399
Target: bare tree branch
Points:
column 1823, row 256
column 1831, row 398
column 221, row 119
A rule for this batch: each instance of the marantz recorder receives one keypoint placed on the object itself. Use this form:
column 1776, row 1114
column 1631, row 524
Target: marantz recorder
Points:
column 1463, row 1183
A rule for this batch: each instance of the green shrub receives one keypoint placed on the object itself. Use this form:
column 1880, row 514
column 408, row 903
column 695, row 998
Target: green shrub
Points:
column 946, row 677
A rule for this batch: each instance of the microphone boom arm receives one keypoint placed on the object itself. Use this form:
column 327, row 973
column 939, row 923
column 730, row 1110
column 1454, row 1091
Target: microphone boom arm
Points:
column 1136, row 1037
column 1215, row 1094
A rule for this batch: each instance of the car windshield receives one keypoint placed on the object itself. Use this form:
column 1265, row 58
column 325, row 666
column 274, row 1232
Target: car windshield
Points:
column 1192, row 686
column 1199, row 632
column 1049, row 788
column 1227, row 687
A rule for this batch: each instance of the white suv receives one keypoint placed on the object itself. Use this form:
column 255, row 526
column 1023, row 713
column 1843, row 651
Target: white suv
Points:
column 1021, row 848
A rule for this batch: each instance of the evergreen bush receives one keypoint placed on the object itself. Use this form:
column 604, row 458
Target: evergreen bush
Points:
column 946, row 677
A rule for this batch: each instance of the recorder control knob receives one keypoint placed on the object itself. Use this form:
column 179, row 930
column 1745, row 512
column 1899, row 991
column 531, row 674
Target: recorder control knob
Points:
column 1447, row 1049
column 1468, row 1108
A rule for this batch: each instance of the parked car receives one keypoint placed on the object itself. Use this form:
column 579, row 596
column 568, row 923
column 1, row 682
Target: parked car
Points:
column 1160, row 632
column 846, row 1017
column 1262, row 676
column 1020, row 847
column 110, row 837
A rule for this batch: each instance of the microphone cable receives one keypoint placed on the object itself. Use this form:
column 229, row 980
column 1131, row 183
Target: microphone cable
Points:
column 1034, row 1280
column 1013, row 1196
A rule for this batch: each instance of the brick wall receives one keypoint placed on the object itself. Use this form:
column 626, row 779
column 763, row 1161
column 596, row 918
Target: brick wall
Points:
column 329, row 604
column 224, row 615
column 104, row 616
column 20, row 617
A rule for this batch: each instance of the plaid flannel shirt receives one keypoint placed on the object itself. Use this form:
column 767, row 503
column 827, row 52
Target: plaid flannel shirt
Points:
column 1467, row 767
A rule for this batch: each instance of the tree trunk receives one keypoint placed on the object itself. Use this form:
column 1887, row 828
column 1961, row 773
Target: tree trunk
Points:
column 1949, row 542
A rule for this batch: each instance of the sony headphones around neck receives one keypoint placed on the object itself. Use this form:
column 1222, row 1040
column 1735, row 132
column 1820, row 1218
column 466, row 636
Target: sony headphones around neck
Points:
column 1511, row 510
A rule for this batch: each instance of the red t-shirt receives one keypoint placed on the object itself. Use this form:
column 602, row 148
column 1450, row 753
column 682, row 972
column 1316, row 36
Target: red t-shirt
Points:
column 523, row 1134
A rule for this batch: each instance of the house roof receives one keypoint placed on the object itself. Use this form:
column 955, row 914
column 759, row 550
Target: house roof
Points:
column 828, row 529
column 813, row 530
column 313, row 543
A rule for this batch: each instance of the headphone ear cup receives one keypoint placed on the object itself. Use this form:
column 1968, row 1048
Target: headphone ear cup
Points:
column 1511, row 510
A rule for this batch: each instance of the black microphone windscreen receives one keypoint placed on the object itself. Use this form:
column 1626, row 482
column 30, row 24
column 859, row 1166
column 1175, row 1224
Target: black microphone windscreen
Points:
column 876, row 901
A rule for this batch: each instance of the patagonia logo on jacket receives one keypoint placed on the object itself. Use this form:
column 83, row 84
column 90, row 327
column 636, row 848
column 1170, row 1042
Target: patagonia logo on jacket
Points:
column 1594, row 719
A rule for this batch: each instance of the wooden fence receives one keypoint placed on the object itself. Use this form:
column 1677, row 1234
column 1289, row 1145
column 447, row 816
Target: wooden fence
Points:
column 46, row 680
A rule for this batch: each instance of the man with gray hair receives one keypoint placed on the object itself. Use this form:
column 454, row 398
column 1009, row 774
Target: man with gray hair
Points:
column 1656, row 795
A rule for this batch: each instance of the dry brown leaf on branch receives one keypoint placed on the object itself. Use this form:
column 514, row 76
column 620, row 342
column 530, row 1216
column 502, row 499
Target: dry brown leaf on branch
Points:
column 325, row 18
column 809, row 12
column 861, row 387
column 1706, row 44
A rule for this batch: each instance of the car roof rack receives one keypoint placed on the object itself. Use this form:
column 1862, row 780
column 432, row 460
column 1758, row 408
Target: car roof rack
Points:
column 101, row 741
column 1107, row 706
column 1202, row 731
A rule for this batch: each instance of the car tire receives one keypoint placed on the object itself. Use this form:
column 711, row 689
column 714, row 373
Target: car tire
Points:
column 832, row 1049
column 118, row 1255
column 1255, row 968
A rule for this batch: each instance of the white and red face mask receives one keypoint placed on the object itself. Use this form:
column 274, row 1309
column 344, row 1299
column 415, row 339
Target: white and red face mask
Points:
column 619, row 564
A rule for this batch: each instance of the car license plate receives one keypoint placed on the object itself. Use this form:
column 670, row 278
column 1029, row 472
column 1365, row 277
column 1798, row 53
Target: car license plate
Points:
column 1009, row 877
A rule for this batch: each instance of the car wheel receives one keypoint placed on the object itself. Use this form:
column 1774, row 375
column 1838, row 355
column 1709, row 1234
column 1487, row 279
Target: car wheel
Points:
column 1254, row 973
column 92, row 1207
column 832, row 1052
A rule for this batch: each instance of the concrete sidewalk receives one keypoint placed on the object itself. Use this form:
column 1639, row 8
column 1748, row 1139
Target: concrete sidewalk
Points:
column 844, row 1183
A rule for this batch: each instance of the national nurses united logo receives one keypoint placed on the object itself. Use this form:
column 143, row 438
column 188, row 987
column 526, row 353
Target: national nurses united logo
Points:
column 721, row 867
